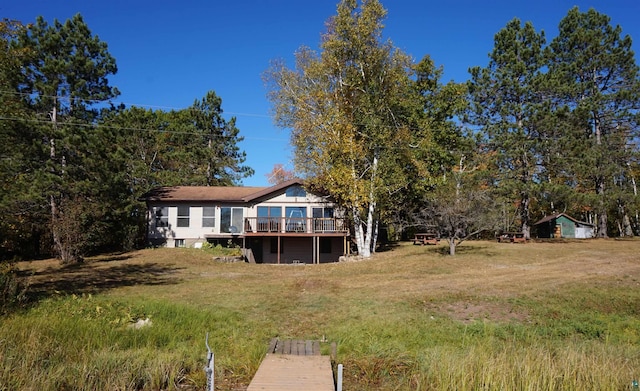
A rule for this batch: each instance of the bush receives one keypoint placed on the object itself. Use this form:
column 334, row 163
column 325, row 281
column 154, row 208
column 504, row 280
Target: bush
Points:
column 12, row 291
column 217, row 249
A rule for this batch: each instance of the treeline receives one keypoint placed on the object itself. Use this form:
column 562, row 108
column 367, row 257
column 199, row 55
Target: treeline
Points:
column 543, row 128
column 561, row 122
column 73, row 163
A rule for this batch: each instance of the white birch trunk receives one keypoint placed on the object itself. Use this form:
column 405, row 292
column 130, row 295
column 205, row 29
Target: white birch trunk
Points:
column 357, row 228
column 374, row 240
column 366, row 249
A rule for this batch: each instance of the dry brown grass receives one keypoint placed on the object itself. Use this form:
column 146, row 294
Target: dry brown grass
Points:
column 379, row 309
column 481, row 270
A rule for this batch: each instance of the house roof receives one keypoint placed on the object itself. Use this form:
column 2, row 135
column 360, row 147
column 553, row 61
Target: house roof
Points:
column 214, row 193
column 556, row 215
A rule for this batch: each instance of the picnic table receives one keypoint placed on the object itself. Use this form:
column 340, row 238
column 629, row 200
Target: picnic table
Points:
column 511, row 237
column 425, row 238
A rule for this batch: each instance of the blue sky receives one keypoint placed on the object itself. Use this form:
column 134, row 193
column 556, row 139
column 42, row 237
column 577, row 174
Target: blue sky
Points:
column 170, row 53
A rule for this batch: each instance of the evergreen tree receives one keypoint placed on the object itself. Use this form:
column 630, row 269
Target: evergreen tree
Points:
column 219, row 155
column 65, row 79
column 195, row 146
column 506, row 106
column 595, row 80
column 21, row 225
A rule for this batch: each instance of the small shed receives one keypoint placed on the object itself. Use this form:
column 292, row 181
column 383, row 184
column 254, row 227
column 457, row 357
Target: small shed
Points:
column 561, row 225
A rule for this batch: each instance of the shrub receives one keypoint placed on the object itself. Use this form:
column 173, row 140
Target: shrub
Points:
column 217, row 249
column 12, row 291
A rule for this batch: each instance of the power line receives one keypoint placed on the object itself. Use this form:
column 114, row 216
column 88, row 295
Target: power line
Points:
column 256, row 115
column 240, row 114
column 126, row 104
column 105, row 126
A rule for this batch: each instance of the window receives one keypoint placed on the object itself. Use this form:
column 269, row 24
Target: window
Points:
column 296, row 218
column 295, row 191
column 269, row 218
column 326, row 213
column 161, row 215
column 183, row 216
column 179, row 243
column 208, row 216
column 231, row 220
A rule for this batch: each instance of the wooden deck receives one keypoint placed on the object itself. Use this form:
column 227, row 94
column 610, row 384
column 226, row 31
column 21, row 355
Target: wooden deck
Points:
column 294, row 365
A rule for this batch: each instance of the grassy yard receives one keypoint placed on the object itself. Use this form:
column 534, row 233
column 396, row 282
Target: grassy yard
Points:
column 536, row 316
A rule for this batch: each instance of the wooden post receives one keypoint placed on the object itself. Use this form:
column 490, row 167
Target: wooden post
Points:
column 278, row 250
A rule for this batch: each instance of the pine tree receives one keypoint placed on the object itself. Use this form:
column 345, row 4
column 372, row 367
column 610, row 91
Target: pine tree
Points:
column 65, row 78
column 506, row 106
column 219, row 155
column 21, row 225
column 596, row 81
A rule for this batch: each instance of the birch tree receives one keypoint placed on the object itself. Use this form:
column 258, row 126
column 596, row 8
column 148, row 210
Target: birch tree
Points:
column 347, row 109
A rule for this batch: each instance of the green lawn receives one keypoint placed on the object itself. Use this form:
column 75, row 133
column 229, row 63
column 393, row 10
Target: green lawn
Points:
column 536, row 316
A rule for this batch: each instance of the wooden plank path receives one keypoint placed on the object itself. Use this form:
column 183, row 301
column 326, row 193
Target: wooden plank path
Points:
column 294, row 365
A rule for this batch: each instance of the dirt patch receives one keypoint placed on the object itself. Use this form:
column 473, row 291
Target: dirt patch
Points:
column 468, row 312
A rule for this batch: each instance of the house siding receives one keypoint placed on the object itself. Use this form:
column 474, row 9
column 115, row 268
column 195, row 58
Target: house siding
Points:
column 194, row 233
column 298, row 246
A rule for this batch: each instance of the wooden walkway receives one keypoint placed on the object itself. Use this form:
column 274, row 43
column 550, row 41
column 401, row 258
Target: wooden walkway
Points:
column 294, row 365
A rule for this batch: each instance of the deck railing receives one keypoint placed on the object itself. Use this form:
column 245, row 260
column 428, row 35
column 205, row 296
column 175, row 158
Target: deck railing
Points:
column 294, row 225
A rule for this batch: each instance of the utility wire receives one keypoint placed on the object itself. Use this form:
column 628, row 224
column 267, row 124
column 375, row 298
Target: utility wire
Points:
column 126, row 104
column 105, row 126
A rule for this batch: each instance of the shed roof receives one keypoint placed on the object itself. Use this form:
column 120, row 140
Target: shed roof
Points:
column 556, row 215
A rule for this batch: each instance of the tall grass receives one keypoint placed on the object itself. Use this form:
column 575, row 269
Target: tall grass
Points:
column 494, row 318
column 89, row 343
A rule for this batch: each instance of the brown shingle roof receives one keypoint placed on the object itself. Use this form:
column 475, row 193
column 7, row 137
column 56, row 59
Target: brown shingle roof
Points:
column 200, row 193
column 214, row 193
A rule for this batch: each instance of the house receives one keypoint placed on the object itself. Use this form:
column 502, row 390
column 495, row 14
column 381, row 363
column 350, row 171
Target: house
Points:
column 561, row 225
column 280, row 224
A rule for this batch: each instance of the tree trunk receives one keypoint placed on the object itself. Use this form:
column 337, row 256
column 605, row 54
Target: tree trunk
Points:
column 374, row 240
column 627, row 230
column 357, row 229
column 602, row 216
column 452, row 246
column 60, row 226
column 524, row 217
column 368, row 235
column 366, row 249
column 53, row 203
